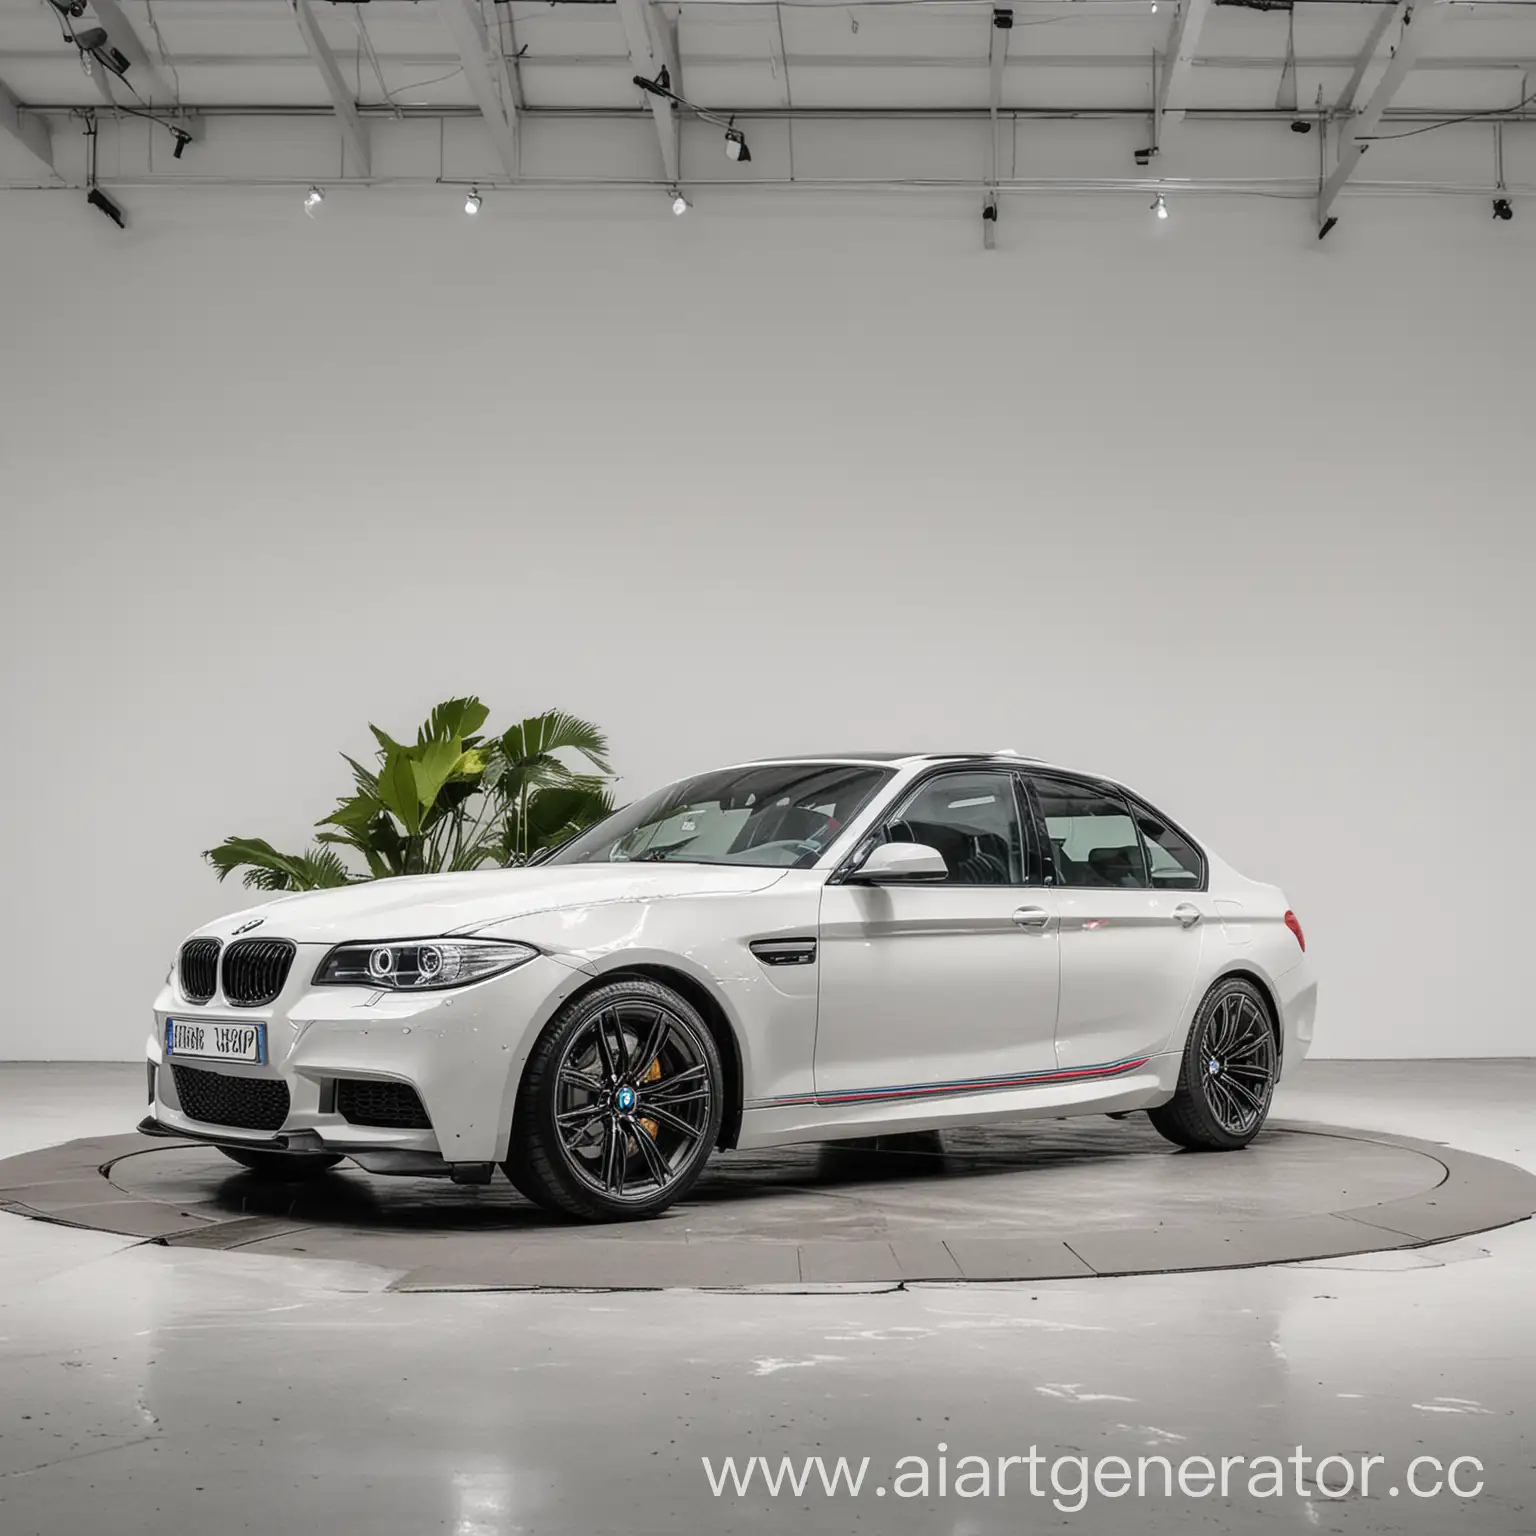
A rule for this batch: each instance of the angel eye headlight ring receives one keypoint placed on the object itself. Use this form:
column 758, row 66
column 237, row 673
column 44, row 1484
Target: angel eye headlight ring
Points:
column 421, row 965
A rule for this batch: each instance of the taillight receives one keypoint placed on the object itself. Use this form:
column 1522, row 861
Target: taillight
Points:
column 1295, row 927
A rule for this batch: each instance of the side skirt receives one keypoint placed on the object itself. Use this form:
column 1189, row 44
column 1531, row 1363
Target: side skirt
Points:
column 1132, row 1086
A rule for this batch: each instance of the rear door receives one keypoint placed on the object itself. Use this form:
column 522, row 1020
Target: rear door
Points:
column 1132, row 917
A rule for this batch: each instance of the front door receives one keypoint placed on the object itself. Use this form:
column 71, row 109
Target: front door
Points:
column 928, row 990
column 1132, row 920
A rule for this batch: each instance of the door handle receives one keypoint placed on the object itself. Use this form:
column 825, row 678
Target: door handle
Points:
column 1032, row 917
column 1186, row 914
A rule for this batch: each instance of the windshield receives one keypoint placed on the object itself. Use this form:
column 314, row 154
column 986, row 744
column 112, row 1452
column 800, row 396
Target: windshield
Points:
column 779, row 815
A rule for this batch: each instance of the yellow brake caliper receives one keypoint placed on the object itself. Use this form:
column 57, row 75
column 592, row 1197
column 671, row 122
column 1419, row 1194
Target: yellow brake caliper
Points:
column 652, row 1074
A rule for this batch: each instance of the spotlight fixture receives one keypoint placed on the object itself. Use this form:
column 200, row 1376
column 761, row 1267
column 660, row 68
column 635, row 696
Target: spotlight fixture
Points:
column 94, row 43
column 1144, row 156
column 472, row 203
column 99, row 199
column 735, row 140
column 183, row 138
column 312, row 200
column 74, row 9
column 680, row 204
column 660, row 86
column 1300, row 125
column 1502, row 208
column 1159, row 207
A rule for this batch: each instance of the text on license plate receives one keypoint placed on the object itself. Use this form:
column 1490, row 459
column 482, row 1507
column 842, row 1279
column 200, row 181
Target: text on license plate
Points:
column 222, row 1041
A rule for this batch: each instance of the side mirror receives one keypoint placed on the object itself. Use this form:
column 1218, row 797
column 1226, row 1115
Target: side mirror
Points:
column 901, row 864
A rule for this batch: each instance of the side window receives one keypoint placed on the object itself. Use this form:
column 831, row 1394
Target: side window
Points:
column 973, row 820
column 1173, row 862
column 1091, row 839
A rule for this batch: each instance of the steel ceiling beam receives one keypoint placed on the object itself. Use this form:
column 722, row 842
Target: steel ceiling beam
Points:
column 652, row 38
column 1346, row 101
column 30, row 131
column 147, row 79
column 341, row 98
column 490, row 82
column 1420, row 19
column 1179, row 63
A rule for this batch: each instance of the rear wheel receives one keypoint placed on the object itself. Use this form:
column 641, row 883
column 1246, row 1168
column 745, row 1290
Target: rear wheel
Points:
column 1227, row 1077
column 282, row 1167
column 620, row 1106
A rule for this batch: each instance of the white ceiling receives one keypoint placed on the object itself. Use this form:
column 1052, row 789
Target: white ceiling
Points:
column 750, row 55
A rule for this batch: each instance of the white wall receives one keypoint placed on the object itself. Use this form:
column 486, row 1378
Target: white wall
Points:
column 1239, row 518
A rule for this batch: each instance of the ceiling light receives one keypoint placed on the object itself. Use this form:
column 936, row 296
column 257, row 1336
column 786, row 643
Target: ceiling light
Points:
column 1502, row 208
column 472, row 204
column 1159, row 207
column 736, row 145
column 680, row 204
column 312, row 200
column 94, row 43
column 99, row 199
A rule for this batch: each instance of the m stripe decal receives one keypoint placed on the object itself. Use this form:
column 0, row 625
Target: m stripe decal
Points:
column 961, row 1085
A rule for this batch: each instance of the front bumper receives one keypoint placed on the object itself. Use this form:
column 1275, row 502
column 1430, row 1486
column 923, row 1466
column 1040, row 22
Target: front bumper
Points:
column 462, row 1051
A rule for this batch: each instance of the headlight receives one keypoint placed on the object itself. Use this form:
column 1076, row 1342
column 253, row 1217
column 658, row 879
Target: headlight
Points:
column 420, row 965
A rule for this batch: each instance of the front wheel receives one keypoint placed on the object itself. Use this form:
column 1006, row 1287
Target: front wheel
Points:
column 282, row 1167
column 620, row 1106
column 1227, row 1077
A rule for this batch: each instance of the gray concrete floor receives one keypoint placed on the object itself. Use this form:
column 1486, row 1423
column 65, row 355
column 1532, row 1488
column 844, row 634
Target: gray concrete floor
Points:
column 168, row 1390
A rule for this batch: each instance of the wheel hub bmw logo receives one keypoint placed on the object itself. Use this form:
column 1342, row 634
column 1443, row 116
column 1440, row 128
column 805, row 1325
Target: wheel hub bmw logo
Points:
column 625, row 1099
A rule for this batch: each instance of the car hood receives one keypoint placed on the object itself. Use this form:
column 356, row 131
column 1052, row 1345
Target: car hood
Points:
column 421, row 906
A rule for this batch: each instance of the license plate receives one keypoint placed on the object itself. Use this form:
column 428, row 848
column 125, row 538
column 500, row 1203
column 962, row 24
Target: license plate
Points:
column 216, row 1039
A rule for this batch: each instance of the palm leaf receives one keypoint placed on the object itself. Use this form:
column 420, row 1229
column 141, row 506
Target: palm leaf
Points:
column 398, row 790
column 356, row 812
column 387, row 743
column 366, row 779
column 268, row 870
column 452, row 720
column 378, row 869
column 541, row 736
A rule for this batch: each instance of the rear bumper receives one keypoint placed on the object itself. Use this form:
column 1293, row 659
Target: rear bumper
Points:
column 1297, row 996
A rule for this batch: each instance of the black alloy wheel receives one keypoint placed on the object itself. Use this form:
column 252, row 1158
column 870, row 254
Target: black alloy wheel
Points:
column 1228, row 1074
column 620, row 1105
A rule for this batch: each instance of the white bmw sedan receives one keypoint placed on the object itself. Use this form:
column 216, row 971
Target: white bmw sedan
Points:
column 844, row 946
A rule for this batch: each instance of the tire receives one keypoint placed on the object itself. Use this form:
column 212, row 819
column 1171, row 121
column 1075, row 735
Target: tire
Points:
column 583, row 1141
column 522, row 1179
column 282, row 1167
column 1227, row 1076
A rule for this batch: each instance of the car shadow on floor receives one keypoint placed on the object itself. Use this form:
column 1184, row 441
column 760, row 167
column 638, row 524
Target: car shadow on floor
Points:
column 349, row 1197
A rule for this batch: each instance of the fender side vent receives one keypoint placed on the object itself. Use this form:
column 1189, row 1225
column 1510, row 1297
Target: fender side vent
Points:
column 785, row 951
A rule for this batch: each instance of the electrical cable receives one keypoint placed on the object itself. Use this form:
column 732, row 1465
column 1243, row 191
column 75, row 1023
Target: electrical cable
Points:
column 1493, row 114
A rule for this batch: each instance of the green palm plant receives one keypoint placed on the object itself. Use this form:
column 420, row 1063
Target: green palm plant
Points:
column 542, row 801
column 454, row 800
